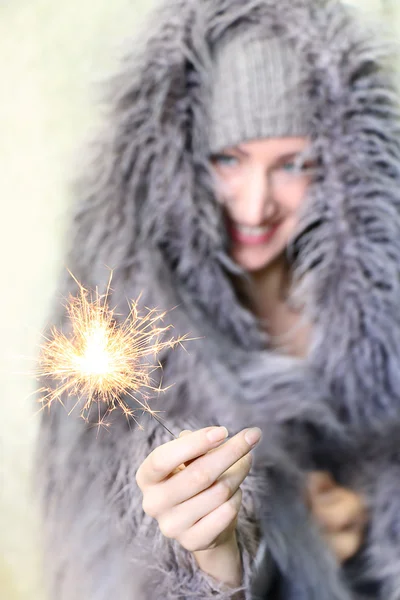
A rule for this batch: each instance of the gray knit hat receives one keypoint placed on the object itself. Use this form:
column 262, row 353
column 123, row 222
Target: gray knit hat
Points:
column 256, row 91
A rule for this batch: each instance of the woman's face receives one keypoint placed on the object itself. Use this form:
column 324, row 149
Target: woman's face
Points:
column 261, row 190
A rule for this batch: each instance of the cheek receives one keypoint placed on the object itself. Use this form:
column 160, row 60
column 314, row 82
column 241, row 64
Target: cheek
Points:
column 293, row 196
column 227, row 190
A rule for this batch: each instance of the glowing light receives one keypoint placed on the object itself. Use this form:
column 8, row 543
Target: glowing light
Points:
column 101, row 361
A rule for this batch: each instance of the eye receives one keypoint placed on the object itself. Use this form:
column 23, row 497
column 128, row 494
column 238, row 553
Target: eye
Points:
column 296, row 167
column 289, row 167
column 224, row 160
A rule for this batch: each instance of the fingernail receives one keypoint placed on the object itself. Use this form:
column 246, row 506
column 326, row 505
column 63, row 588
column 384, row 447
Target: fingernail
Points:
column 217, row 434
column 253, row 436
column 184, row 432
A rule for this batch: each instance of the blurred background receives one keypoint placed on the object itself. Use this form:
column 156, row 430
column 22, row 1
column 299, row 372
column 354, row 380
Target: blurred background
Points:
column 53, row 54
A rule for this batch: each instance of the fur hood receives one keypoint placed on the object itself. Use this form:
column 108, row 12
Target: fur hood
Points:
column 147, row 209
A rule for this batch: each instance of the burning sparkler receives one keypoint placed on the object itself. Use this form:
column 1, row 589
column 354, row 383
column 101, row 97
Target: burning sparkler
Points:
column 103, row 361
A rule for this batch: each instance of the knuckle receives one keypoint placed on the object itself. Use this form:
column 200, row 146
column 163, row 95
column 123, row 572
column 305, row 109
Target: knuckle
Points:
column 146, row 507
column 359, row 509
column 350, row 548
column 329, row 520
column 168, row 528
column 157, row 461
column 336, row 522
column 231, row 511
column 138, row 477
column 233, row 505
column 223, row 490
column 201, row 478
column 347, row 522
column 190, row 544
column 345, row 546
column 149, row 505
column 356, row 542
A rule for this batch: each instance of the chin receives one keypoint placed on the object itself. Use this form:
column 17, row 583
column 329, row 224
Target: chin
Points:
column 252, row 261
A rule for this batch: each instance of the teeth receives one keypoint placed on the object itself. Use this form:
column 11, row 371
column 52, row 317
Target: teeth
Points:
column 252, row 230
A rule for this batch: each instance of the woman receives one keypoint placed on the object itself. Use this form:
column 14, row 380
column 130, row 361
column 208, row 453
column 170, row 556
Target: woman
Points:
column 249, row 180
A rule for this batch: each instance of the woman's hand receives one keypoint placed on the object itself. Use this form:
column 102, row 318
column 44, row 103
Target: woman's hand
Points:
column 340, row 513
column 191, row 486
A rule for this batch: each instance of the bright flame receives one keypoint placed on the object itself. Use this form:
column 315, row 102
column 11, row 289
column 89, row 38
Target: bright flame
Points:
column 103, row 361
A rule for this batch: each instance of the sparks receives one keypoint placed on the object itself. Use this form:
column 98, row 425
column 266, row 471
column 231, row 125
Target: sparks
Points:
column 103, row 361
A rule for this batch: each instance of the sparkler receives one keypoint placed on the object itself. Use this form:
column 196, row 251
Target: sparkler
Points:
column 103, row 361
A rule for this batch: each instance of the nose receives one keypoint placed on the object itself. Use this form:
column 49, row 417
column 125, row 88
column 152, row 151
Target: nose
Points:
column 259, row 204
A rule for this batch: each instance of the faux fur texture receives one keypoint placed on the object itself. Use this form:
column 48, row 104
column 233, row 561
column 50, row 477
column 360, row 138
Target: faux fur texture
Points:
column 147, row 209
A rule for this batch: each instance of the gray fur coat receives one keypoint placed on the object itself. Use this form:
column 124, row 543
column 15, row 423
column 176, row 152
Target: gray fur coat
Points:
column 146, row 208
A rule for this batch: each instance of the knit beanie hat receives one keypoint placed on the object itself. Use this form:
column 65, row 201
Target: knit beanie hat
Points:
column 256, row 91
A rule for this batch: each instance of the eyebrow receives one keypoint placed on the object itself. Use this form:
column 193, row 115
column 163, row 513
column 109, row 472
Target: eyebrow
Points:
column 280, row 158
column 288, row 155
column 239, row 149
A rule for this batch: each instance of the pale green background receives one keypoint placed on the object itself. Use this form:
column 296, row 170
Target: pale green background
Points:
column 51, row 53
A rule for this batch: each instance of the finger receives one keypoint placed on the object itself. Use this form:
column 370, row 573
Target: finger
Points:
column 182, row 517
column 204, row 534
column 342, row 510
column 185, row 432
column 345, row 544
column 356, row 508
column 164, row 459
column 186, row 463
column 182, row 466
column 204, row 471
column 324, row 490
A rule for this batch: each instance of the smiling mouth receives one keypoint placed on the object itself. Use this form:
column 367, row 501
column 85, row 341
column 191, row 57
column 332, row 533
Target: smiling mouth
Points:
column 251, row 236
